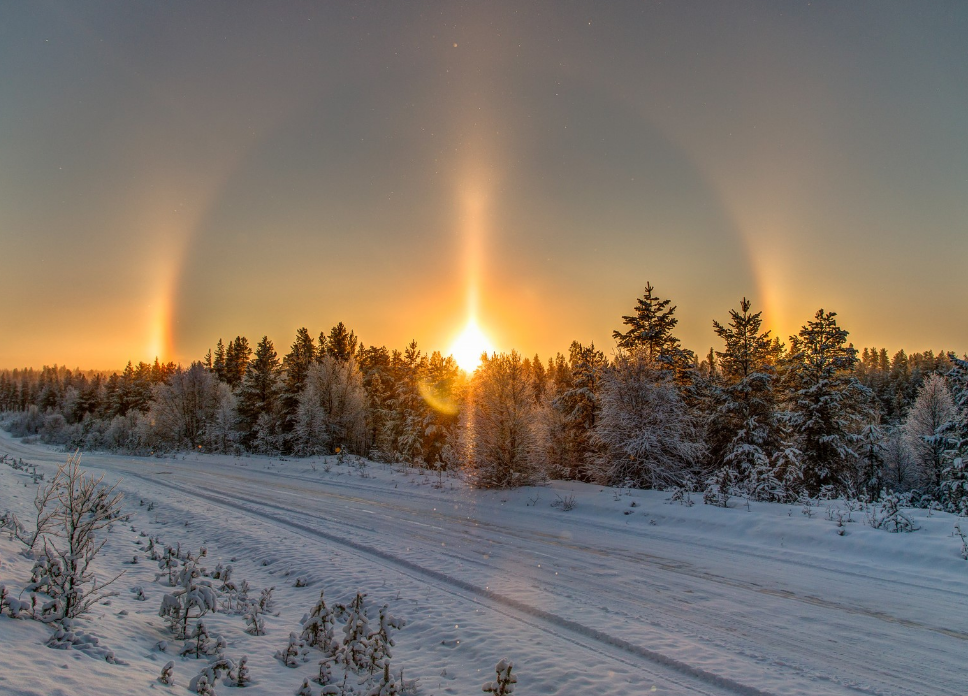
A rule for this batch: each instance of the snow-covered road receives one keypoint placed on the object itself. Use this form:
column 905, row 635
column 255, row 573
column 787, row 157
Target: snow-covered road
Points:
column 624, row 594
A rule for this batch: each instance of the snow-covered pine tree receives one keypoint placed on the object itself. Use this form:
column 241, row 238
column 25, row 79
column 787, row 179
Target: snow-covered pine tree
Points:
column 166, row 676
column 305, row 689
column 650, row 332
column 318, row 630
column 341, row 344
column 387, row 686
column 296, row 366
column 353, row 651
column 258, row 397
column 870, row 464
column 241, row 677
column 503, row 684
column 744, row 431
column 646, row 433
column 502, row 444
column 828, row 404
column 289, row 656
column 954, row 477
column 380, row 641
column 579, row 407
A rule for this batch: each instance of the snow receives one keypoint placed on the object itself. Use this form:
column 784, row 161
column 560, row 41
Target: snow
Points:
column 626, row 593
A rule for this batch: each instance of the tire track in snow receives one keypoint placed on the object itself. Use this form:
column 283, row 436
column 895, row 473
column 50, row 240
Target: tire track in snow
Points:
column 705, row 677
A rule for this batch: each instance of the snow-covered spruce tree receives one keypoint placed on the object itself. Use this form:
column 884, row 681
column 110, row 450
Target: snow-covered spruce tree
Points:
column 502, row 444
column 258, row 398
column 319, row 628
column 933, row 408
column 166, row 676
column 289, row 656
column 578, row 407
column 744, row 431
column 503, row 684
column 650, row 333
column 828, row 404
column 387, row 686
column 296, row 366
column 954, row 433
column 380, row 641
column 84, row 507
column 408, row 408
column 441, row 386
column 870, row 462
column 645, row 431
column 353, row 651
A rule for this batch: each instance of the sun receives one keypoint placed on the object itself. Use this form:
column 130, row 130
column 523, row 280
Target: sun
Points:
column 468, row 347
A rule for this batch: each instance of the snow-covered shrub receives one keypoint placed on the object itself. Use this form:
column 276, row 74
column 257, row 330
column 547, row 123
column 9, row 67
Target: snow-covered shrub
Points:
column 82, row 508
column 211, row 674
column 353, row 652
column 380, row 641
column 305, row 689
column 889, row 516
column 193, row 599
column 964, row 539
column 503, row 685
column 255, row 625
column 318, row 628
column 241, row 678
column 387, row 686
column 205, row 645
column 166, row 677
column 289, row 656
column 566, row 504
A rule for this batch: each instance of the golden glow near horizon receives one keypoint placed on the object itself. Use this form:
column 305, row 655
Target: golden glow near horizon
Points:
column 470, row 345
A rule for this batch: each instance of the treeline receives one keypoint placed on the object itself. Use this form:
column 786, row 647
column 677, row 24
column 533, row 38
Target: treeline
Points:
column 759, row 418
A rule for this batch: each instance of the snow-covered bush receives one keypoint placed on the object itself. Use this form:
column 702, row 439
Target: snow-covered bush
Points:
column 81, row 508
column 503, row 685
column 889, row 516
column 356, row 630
column 380, row 641
column 318, row 628
column 193, row 599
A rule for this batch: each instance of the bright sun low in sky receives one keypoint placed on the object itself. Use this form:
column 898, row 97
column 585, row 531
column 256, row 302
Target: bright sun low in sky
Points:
column 470, row 345
column 176, row 173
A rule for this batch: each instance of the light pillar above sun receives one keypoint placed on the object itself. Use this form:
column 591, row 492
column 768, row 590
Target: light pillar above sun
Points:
column 472, row 342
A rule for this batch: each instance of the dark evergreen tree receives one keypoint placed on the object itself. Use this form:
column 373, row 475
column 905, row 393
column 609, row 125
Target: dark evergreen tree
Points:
column 341, row 343
column 218, row 362
column 650, row 331
column 259, row 394
column 744, row 433
column 579, row 406
column 296, row 365
column 828, row 404
column 236, row 361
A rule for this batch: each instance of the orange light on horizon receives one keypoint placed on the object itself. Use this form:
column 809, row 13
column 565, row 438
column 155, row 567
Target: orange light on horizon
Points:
column 468, row 347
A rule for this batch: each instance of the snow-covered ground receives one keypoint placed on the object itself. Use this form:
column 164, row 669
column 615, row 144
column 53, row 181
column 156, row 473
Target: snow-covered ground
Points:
column 626, row 593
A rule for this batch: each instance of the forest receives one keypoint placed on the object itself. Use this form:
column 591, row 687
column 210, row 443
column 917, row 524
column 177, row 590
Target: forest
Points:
column 756, row 418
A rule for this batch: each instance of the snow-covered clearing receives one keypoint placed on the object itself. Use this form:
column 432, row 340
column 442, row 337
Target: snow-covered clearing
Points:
column 626, row 593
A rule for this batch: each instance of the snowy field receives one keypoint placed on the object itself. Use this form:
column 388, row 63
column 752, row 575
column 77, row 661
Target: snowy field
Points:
column 626, row 593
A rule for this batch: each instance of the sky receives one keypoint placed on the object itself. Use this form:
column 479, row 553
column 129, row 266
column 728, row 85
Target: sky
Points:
column 172, row 173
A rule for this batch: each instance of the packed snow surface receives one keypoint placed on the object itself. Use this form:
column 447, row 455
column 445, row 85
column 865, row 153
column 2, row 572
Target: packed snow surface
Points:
column 625, row 593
